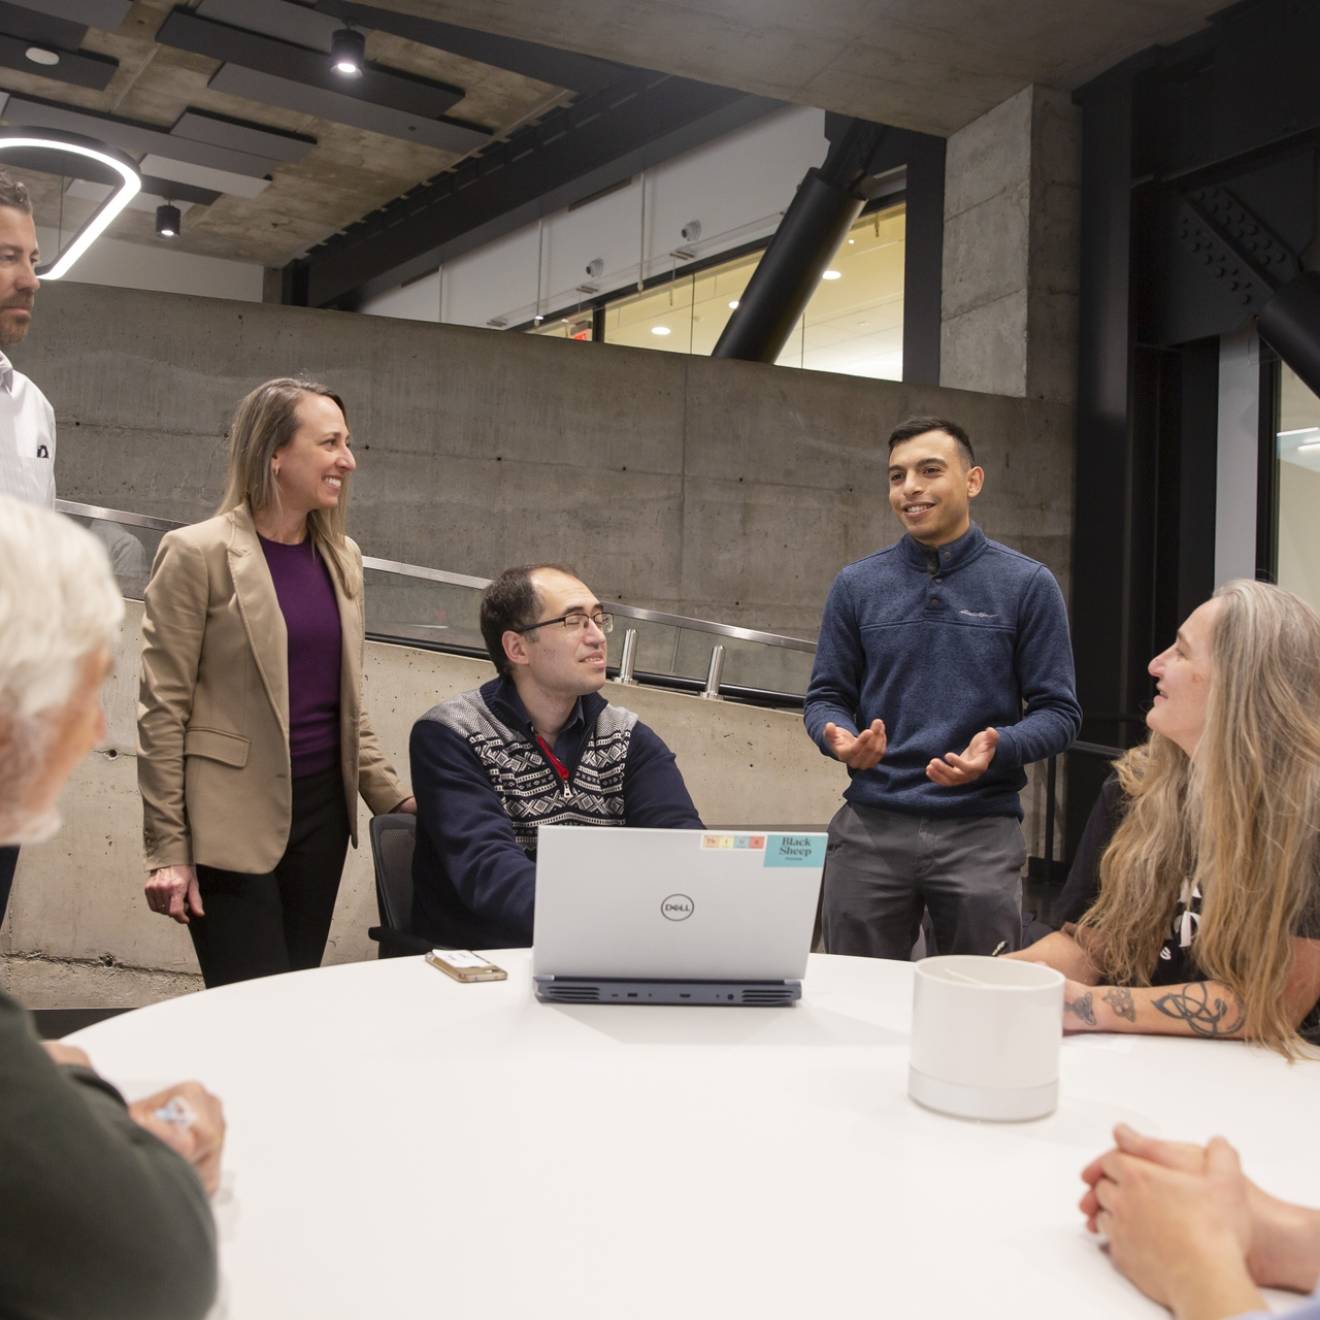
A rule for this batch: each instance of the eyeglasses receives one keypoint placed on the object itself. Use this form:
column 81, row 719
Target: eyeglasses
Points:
column 575, row 621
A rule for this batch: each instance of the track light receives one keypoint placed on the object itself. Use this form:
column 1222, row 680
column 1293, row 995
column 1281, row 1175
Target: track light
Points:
column 168, row 220
column 348, row 52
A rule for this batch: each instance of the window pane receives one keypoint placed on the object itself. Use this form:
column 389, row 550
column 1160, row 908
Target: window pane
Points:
column 1299, row 488
column 853, row 323
column 566, row 327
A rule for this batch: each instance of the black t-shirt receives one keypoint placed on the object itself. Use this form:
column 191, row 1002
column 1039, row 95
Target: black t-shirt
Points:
column 1177, row 961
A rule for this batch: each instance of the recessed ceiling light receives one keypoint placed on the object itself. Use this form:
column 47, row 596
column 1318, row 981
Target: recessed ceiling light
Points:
column 851, row 242
column 661, row 330
column 832, row 275
column 733, row 306
column 348, row 52
column 40, row 55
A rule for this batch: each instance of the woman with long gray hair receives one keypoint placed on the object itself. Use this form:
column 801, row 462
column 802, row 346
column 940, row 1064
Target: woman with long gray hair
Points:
column 106, row 1212
column 253, row 741
column 1196, row 890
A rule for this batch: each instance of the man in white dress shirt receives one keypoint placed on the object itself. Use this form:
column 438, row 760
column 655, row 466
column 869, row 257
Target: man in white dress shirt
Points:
column 27, row 421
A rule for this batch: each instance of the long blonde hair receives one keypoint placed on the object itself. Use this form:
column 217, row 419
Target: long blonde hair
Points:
column 1241, row 819
column 264, row 422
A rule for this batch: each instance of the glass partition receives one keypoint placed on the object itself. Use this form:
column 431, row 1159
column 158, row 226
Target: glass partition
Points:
column 1298, row 485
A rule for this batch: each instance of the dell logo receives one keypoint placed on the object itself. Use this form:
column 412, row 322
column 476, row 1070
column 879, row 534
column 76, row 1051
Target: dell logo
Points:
column 677, row 907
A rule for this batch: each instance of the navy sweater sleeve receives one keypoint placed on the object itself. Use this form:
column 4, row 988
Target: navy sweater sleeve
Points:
column 467, row 826
column 655, row 796
column 836, row 676
column 1046, row 677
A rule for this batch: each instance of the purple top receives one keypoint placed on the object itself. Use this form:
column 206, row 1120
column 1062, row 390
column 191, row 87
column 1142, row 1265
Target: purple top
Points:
column 311, row 615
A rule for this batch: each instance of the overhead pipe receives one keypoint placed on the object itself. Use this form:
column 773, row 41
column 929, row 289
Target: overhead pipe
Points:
column 817, row 221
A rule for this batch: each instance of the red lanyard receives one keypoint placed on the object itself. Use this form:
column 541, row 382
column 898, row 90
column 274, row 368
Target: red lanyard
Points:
column 560, row 768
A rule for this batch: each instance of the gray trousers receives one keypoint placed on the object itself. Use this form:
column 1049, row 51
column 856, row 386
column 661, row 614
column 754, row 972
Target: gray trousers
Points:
column 884, row 869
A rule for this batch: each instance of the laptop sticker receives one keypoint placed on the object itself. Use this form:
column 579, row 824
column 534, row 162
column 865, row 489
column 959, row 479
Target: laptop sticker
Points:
column 795, row 850
column 750, row 842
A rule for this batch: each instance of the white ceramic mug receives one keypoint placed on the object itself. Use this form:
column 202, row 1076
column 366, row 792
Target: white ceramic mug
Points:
column 985, row 1037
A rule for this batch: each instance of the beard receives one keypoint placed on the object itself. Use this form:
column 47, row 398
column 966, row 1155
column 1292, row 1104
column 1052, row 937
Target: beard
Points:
column 14, row 330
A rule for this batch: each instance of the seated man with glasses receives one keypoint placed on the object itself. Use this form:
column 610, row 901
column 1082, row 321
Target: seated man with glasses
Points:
column 536, row 746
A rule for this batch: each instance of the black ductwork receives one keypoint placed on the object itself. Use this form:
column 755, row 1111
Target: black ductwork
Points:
column 827, row 202
column 1290, row 324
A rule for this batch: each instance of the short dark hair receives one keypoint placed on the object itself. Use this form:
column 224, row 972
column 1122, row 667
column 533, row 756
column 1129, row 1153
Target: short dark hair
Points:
column 915, row 426
column 510, row 602
column 15, row 194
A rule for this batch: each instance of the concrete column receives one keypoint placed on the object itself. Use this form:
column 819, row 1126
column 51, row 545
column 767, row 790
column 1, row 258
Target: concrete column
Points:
column 1011, row 250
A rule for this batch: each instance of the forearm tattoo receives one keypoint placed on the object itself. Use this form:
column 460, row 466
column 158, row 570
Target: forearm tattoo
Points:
column 1192, row 1004
column 1120, row 1000
column 1081, row 1006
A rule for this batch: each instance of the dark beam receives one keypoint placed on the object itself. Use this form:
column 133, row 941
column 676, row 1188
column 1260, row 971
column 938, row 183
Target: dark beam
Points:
column 560, row 68
column 572, row 152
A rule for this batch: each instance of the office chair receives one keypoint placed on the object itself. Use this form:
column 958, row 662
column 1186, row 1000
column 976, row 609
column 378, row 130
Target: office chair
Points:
column 392, row 838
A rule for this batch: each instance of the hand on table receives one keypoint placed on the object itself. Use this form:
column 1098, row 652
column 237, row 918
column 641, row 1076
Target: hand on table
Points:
column 199, row 1138
column 1181, row 1234
column 172, row 891
column 860, row 751
column 1284, row 1250
column 69, row 1056
column 954, row 769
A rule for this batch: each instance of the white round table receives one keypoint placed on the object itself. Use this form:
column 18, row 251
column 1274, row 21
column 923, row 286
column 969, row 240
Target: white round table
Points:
column 400, row 1144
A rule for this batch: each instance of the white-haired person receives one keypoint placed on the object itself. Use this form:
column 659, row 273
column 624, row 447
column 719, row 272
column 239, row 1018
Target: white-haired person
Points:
column 106, row 1204
column 253, row 742
column 1193, row 1232
column 1193, row 907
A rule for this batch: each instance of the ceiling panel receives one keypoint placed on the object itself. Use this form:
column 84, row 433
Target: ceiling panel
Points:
column 75, row 67
column 275, row 18
column 20, row 21
column 198, row 126
column 202, row 176
column 253, row 85
column 105, row 14
column 27, row 112
column 283, row 59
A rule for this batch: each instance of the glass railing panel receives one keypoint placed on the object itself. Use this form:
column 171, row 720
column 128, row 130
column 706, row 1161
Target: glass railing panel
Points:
column 441, row 610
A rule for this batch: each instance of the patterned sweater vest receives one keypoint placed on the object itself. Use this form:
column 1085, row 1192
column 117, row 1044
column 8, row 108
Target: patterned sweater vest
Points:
column 527, row 785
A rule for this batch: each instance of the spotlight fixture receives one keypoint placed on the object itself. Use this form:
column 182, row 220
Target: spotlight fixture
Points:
column 26, row 140
column 348, row 52
column 40, row 55
column 168, row 220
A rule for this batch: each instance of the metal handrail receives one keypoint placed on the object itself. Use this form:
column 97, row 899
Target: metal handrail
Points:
column 465, row 580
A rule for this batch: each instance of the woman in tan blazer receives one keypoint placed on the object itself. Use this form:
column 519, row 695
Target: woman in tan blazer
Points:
column 253, row 743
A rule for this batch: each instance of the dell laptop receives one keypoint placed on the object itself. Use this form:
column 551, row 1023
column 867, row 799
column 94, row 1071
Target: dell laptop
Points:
column 673, row 916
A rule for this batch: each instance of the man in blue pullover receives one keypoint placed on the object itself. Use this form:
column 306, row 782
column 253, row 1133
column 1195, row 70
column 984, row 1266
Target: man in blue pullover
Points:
column 944, row 667
column 536, row 746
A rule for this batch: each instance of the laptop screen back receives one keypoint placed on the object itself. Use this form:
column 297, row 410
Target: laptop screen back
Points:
column 675, row 904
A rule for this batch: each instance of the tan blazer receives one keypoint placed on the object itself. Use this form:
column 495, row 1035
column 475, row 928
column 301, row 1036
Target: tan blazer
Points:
column 213, row 709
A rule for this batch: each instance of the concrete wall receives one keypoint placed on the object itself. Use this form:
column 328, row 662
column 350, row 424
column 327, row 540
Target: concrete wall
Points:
column 1011, row 249
column 725, row 490
column 78, row 932
column 159, row 267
